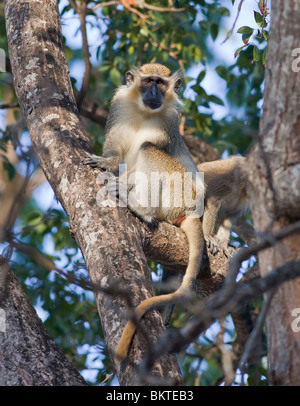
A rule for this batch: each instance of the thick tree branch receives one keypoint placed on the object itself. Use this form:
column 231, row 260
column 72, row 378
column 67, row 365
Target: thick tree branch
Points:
column 107, row 236
column 29, row 356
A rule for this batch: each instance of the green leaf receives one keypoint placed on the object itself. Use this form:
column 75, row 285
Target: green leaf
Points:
column 197, row 54
column 131, row 50
column 201, row 76
column 256, row 54
column 221, row 71
column 214, row 99
column 260, row 20
column 104, row 68
column 200, row 91
column 245, row 30
column 214, row 31
column 115, row 76
column 144, row 32
column 34, row 217
column 10, row 169
column 264, row 57
column 204, row 25
column 258, row 17
column 237, row 52
column 246, row 38
column 224, row 11
column 266, row 35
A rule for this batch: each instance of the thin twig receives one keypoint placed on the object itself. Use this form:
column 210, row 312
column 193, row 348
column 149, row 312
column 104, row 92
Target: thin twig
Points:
column 243, row 254
column 46, row 262
column 82, row 11
column 145, row 5
column 163, row 9
column 255, row 335
column 226, row 355
column 9, row 106
column 107, row 377
column 17, row 199
column 210, row 309
column 133, row 10
column 105, row 4
column 234, row 23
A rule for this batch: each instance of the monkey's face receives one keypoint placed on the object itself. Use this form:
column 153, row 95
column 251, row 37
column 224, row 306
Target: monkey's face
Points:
column 154, row 91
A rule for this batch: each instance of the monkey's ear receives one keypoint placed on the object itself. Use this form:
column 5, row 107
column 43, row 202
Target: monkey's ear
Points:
column 129, row 78
column 177, row 85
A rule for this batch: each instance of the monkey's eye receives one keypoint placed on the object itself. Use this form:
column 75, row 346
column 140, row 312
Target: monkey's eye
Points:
column 149, row 81
column 160, row 83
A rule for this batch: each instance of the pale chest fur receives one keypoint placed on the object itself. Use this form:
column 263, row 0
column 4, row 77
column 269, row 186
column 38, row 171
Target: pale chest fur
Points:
column 132, row 135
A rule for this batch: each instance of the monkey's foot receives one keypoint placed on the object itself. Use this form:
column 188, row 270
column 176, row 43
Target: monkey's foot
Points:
column 107, row 164
column 229, row 251
column 212, row 244
column 215, row 245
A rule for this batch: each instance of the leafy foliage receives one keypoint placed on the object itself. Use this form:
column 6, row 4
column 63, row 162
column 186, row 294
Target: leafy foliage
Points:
column 118, row 39
column 259, row 35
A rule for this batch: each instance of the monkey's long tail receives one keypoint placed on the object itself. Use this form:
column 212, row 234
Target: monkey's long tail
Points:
column 193, row 230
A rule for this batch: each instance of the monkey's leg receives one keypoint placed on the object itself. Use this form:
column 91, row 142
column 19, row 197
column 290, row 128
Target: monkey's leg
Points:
column 192, row 228
column 211, row 213
column 139, row 196
column 222, row 238
column 132, row 195
column 147, row 214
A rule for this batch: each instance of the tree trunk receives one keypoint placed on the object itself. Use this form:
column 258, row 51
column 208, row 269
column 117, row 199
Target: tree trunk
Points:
column 28, row 355
column 110, row 239
column 274, row 173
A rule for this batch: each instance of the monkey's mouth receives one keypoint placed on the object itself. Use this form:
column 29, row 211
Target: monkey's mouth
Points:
column 154, row 104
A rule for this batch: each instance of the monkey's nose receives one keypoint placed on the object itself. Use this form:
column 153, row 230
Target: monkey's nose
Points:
column 153, row 91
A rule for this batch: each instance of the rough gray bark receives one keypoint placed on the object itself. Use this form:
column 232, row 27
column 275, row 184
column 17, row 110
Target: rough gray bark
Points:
column 110, row 239
column 28, row 355
column 274, row 173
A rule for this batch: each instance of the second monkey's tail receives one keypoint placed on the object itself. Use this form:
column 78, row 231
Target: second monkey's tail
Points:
column 192, row 227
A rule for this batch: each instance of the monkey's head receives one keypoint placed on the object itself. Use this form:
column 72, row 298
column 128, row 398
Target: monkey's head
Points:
column 154, row 86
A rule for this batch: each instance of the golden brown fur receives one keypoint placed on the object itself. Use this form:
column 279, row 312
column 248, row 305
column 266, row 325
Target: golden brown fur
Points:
column 155, row 69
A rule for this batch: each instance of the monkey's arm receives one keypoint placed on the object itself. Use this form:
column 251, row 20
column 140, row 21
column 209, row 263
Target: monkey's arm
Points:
column 111, row 157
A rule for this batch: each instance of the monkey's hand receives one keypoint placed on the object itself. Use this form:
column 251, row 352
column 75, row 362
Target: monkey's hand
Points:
column 108, row 164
